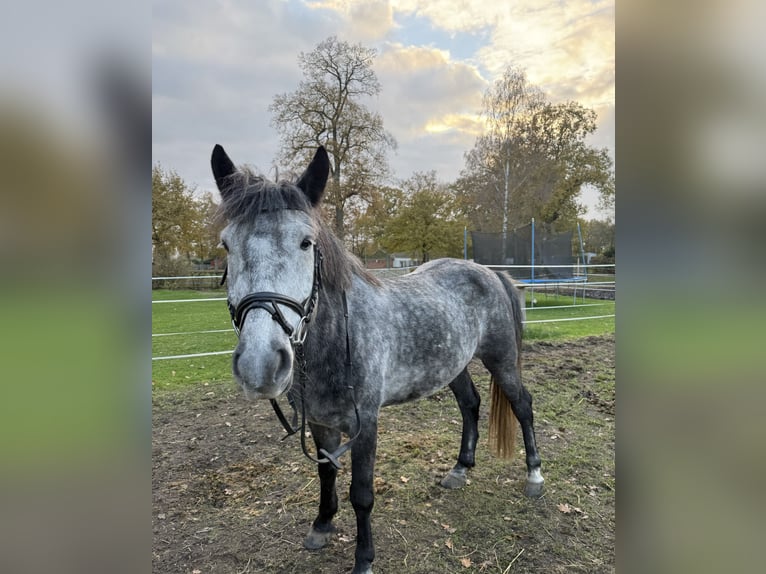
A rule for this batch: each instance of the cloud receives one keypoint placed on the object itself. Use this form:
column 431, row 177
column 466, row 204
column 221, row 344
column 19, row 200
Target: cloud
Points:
column 465, row 123
column 237, row 35
column 370, row 20
column 567, row 49
column 455, row 15
column 423, row 84
column 367, row 21
column 430, row 104
column 217, row 67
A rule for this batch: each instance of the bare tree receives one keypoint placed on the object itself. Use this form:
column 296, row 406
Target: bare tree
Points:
column 328, row 109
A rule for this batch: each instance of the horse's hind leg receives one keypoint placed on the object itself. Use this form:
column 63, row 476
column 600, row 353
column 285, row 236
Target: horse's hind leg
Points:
column 509, row 379
column 468, row 400
column 322, row 528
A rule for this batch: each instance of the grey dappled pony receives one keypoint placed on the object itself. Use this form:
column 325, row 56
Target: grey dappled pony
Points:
column 342, row 344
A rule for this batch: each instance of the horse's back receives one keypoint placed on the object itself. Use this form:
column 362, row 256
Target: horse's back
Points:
column 479, row 300
column 452, row 278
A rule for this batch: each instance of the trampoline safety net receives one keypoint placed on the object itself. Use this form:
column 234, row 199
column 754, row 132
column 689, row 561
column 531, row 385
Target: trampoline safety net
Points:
column 550, row 249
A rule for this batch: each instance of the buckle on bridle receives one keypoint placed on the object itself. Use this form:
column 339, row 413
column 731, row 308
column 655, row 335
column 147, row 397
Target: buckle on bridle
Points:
column 301, row 331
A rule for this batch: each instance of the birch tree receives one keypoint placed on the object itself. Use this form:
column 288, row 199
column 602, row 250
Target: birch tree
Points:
column 532, row 160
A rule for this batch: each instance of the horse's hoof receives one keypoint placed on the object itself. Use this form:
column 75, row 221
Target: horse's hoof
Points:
column 316, row 539
column 535, row 481
column 367, row 570
column 533, row 489
column 454, row 480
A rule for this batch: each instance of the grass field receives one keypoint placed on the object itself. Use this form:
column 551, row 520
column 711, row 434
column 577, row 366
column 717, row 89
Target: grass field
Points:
column 180, row 328
column 552, row 307
column 195, row 320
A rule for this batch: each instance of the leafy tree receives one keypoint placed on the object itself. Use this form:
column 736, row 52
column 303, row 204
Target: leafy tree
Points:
column 532, row 160
column 598, row 236
column 560, row 131
column 206, row 234
column 184, row 227
column 371, row 217
column 175, row 216
column 327, row 109
column 429, row 221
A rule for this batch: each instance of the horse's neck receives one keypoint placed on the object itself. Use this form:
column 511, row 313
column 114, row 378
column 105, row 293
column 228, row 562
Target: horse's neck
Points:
column 327, row 334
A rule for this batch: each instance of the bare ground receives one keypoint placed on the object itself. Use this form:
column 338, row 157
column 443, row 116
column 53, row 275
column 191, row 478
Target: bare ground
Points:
column 230, row 497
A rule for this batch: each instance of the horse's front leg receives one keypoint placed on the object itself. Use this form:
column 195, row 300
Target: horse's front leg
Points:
column 322, row 528
column 362, row 494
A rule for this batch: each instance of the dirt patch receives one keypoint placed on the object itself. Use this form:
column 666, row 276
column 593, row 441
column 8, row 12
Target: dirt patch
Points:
column 231, row 497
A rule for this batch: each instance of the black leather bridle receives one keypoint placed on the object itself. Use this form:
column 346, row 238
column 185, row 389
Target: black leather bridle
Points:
column 270, row 302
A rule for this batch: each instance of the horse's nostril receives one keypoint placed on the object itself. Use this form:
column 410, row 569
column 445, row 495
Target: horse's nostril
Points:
column 284, row 365
column 235, row 361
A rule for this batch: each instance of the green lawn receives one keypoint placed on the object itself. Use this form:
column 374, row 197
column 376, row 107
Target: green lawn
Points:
column 191, row 319
column 545, row 309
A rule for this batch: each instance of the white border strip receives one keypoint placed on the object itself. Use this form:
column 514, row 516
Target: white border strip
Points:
column 192, row 356
column 568, row 306
column 192, row 332
column 188, row 300
column 189, row 277
column 569, row 319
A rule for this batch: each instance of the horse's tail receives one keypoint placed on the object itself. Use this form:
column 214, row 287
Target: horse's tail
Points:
column 502, row 421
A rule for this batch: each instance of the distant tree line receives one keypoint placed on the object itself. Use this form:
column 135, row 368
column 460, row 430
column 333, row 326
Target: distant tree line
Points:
column 531, row 160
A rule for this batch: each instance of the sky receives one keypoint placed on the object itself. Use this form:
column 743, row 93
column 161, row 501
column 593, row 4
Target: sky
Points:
column 216, row 66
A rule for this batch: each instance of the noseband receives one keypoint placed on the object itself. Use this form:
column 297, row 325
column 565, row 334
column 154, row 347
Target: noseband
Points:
column 270, row 303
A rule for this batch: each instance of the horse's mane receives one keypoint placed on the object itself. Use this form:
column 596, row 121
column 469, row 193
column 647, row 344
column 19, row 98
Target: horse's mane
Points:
column 246, row 194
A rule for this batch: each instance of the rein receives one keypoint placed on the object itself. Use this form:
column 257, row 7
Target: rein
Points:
column 270, row 302
column 331, row 457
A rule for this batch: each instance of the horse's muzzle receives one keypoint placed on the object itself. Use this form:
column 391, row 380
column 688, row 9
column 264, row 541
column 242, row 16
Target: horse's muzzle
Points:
column 263, row 374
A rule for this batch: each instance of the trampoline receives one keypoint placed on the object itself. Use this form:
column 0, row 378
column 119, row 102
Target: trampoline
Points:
column 537, row 255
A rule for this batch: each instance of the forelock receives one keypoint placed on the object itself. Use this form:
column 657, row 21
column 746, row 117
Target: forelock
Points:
column 246, row 194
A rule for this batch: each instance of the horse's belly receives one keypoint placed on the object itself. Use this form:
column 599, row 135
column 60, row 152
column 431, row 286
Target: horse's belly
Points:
column 409, row 393
column 412, row 381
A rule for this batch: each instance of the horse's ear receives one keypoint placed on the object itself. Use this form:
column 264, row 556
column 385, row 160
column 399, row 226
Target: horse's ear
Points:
column 222, row 168
column 314, row 179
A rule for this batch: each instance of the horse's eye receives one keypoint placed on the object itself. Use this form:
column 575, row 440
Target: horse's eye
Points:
column 306, row 243
column 223, row 244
